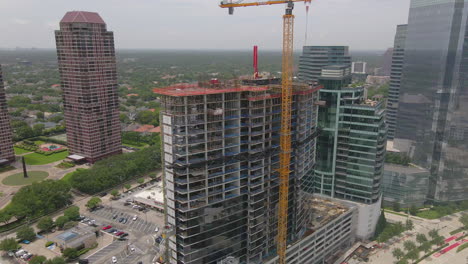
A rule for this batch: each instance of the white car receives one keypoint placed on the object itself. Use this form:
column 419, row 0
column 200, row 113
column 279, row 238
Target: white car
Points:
column 132, row 248
column 156, row 230
column 114, row 259
column 135, row 218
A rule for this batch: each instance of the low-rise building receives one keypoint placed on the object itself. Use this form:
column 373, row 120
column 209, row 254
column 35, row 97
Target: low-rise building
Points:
column 77, row 237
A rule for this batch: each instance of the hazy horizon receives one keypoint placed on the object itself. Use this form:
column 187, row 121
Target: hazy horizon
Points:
column 202, row 25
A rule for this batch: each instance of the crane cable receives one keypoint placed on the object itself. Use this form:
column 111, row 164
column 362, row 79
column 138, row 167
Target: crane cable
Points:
column 307, row 22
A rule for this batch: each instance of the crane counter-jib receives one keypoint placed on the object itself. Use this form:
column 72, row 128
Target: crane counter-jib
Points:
column 228, row 4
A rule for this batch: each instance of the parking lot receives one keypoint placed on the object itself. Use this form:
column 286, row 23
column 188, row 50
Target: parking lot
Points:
column 107, row 250
column 139, row 224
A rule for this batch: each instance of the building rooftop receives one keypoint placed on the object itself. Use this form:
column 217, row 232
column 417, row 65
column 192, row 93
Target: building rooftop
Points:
column 185, row 89
column 82, row 17
column 324, row 211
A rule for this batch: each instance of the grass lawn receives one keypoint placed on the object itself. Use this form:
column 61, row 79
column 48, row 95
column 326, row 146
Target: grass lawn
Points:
column 19, row 151
column 18, row 179
column 429, row 214
column 39, row 142
column 39, row 159
column 68, row 176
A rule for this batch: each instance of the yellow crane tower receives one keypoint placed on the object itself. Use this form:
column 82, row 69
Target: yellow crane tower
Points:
column 286, row 112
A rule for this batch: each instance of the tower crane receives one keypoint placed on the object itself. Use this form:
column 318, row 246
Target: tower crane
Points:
column 286, row 112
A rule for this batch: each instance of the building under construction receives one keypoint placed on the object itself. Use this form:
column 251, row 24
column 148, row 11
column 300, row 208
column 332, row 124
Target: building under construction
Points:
column 221, row 155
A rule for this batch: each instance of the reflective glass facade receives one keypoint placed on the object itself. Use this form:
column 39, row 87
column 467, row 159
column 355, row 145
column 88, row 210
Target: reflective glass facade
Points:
column 314, row 58
column 351, row 144
column 405, row 185
column 432, row 119
column 395, row 78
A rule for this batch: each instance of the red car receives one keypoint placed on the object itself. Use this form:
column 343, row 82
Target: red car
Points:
column 119, row 233
column 107, row 227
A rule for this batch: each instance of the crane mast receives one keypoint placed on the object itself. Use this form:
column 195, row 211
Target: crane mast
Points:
column 286, row 114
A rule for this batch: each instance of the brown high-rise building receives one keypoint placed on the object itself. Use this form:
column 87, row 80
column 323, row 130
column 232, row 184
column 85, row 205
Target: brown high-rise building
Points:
column 6, row 143
column 87, row 64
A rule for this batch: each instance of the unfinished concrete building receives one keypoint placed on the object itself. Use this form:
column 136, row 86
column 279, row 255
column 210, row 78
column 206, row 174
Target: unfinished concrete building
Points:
column 221, row 155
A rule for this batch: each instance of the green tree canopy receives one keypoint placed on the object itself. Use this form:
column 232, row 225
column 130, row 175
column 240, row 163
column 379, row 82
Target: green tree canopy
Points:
column 26, row 233
column 409, row 245
column 40, row 198
column 398, row 253
column 45, row 224
column 38, row 259
column 8, row 244
column 409, row 224
column 464, row 220
column 72, row 213
column 93, row 203
column 61, row 221
column 421, row 238
column 70, row 253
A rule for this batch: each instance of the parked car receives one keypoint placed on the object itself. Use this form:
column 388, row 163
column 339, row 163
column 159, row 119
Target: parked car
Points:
column 119, row 233
column 156, row 230
column 114, row 259
column 114, row 216
column 103, row 194
column 121, row 219
column 159, row 239
column 135, row 217
column 125, row 221
column 124, row 235
column 132, row 248
column 107, row 227
column 111, row 230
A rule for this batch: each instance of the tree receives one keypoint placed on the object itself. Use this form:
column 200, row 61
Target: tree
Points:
column 61, row 221
column 409, row 225
column 93, row 203
column 127, row 186
column 37, row 260
column 413, row 210
column 56, row 260
column 402, row 261
column 141, row 180
column 69, row 224
column 398, row 253
column 72, row 213
column 409, row 245
column 426, row 247
column 40, row 115
column 433, row 233
column 114, row 193
column 124, row 118
column 464, row 220
column 8, row 244
column 421, row 238
column 38, row 129
column 26, row 233
column 5, row 216
column 413, row 254
column 40, row 198
column 45, row 224
column 396, row 207
column 152, row 175
column 438, row 240
column 70, row 253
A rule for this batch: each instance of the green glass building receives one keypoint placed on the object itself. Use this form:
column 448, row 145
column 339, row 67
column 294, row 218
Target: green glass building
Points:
column 351, row 145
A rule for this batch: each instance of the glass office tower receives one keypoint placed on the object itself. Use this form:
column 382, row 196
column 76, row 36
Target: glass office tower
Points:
column 432, row 120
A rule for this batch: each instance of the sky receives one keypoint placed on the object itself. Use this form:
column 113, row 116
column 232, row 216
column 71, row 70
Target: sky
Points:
column 202, row 24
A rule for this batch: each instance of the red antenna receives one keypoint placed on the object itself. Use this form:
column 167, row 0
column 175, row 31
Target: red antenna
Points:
column 255, row 62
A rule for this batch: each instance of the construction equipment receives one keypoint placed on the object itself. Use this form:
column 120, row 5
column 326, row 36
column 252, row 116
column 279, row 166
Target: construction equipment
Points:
column 286, row 112
column 255, row 63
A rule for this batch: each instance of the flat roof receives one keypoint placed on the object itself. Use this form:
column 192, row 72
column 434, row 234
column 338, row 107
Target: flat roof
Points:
column 76, row 157
column 67, row 236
